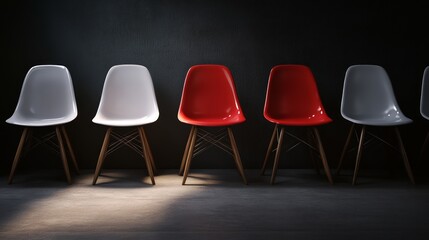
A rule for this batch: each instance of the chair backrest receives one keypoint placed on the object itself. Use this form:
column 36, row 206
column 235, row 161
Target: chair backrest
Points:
column 128, row 97
column 424, row 98
column 46, row 98
column 209, row 93
column 292, row 93
column 368, row 95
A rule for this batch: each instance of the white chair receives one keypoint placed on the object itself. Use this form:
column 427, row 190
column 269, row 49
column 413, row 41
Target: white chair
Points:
column 127, row 100
column 46, row 100
column 368, row 100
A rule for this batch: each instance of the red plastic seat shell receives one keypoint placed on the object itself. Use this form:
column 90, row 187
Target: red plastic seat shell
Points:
column 209, row 97
column 292, row 97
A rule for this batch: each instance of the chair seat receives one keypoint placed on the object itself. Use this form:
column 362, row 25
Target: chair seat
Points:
column 129, row 122
column 303, row 121
column 212, row 122
column 39, row 122
column 47, row 98
column 380, row 121
column 368, row 97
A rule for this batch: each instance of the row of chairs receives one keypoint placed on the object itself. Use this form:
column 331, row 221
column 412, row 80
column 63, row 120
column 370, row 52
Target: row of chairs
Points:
column 210, row 105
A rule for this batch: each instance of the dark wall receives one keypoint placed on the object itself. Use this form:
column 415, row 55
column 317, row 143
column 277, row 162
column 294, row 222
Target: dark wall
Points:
column 249, row 37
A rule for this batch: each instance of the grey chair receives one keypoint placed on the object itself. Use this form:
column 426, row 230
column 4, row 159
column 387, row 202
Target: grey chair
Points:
column 424, row 104
column 368, row 100
column 424, row 97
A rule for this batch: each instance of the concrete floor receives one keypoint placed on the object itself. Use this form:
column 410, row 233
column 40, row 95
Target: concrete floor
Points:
column 214, row 204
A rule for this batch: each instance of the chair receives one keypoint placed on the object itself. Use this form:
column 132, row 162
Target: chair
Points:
column 368, row 100
column 209, row 100
column 424, row 97
column 127, row 101
column 424, row 104
column 46, row 101
column 292, row 99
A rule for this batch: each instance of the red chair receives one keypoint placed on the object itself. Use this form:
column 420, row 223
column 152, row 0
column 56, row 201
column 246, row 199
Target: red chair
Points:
column 292, row 99
column 209, row 99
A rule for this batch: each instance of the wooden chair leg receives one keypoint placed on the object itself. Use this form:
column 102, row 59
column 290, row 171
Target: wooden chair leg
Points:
column 18, row 154
column 69, row 146
column 146, row 155
column 311, row 138
column 425, row 143
column 359, row 154
column 146, row 142
column 102, row 155
column 276, row 158
column 237, row 158
column 185, row 154
column 63, row 154
column 346, row 145
column 270, row 146
column 404, row 156
column 189, row 155
column 323, row 155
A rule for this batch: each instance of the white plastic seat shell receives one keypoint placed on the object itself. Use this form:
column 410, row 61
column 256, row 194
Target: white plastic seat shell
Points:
column 128, row 97
column 46, row 99
column 368, row 97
